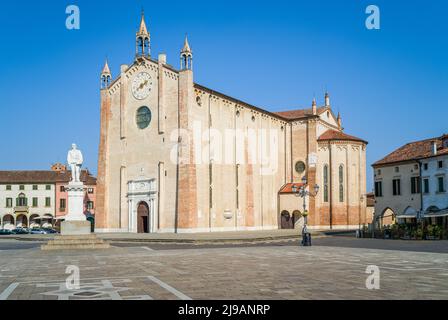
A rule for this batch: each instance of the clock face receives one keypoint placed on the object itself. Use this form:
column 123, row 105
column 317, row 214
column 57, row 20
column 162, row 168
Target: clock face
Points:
column 141, row 86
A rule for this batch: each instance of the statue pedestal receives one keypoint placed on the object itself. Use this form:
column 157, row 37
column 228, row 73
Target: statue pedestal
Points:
column 75, row 221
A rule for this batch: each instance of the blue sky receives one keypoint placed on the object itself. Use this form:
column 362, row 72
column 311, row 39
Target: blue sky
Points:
column 390, row 85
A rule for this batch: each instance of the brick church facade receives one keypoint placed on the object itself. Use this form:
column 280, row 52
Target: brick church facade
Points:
column 175, row 156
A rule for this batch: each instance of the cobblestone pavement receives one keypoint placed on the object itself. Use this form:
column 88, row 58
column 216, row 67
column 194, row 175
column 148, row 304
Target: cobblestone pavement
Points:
column 270, row 272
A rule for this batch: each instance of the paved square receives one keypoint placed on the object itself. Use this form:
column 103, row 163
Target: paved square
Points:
column 257, row 272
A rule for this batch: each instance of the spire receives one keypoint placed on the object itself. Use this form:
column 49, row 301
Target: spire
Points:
column 186, row 48
column 186, row 56
column 314, row 106
column 143, row 30
column 106, row 70
column 142, row 38
column 327, row 99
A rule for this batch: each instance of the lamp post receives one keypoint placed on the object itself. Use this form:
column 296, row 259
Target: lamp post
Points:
column 302, row 192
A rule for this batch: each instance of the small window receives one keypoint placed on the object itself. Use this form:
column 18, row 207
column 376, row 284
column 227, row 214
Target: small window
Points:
column 415, row 185
column 48, row 202
column 62, row 204
column 325, row 183
column 396, row 187
column 35, row 202
column 440, row 184
column 48, row 187
column 300, row 167
column 253, row 118
column 199, row 101
column 341, row 183
column 426, row 185
column 21, row 187
column 62, row 188
column 425, row 167
column 379, row 172
column 35, row 187
column 8, row 202
column 8, row 187
column 378, row 189
column 415, row 166
column 89, row 205
column 90, row 190
column 397, row 169
column 440, row 164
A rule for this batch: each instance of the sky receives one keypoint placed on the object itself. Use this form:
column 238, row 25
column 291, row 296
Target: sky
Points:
column 390, row 85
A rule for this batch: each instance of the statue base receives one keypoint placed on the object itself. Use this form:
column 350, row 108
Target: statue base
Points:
column 72, row 228
column 75, row 191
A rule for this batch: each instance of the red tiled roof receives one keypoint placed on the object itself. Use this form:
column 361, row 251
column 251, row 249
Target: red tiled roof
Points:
column 301, row 113
column 287, row 188
column 338, row 135
column 415, row 151
column 13, row 177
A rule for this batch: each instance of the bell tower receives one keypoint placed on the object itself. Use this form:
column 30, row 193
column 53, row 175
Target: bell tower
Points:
column 186, row 56
column 143, row 40
column 106, row 76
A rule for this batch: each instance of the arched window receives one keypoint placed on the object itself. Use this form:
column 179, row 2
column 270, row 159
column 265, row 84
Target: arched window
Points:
column 341, row 183
column 143, row 117
column 21, row 201
column 325, row 183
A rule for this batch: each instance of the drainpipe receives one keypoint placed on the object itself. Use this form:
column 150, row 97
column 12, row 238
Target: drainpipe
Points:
column 421, row 185
column 330, row 183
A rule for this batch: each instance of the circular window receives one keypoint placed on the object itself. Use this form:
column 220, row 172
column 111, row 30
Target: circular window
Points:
column 300, row 166
column 143, row 117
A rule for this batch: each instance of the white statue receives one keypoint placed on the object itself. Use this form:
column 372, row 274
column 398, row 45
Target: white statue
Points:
column 75, row 160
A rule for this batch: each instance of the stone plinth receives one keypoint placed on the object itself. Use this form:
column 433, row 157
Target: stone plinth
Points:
column 75, row 191
column 70, row 228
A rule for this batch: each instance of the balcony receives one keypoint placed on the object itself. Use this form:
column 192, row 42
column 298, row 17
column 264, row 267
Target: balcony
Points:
column 21, row 209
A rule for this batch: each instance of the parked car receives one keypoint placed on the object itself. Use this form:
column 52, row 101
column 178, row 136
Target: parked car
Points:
column 4, row 232
column 20, row 231
column 49, row 231
column 37, row 231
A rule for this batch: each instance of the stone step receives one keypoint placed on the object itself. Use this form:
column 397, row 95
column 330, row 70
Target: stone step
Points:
column 76, row 237
column 76, row 242
column 73, row 246
column 73, row 241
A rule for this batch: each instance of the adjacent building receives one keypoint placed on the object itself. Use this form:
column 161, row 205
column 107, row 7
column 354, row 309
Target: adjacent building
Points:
column 176, row 156
column 411, row 183
column 38, row 198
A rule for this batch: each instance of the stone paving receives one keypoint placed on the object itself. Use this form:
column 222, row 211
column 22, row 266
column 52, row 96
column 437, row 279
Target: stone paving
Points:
column 271, row 272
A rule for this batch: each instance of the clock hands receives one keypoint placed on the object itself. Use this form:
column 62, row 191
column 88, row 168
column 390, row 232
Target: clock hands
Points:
column 143, row 84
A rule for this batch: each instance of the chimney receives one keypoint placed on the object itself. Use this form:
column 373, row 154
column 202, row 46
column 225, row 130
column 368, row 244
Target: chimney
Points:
column 434, row 147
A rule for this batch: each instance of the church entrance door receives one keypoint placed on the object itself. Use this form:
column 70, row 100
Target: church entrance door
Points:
column 286, row 220
column 143, row 218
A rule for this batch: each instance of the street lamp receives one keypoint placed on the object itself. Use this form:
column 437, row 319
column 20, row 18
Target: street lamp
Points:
column 303, row 193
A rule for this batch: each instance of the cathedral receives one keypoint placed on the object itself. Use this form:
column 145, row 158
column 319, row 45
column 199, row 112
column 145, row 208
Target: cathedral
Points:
column 175, row 156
